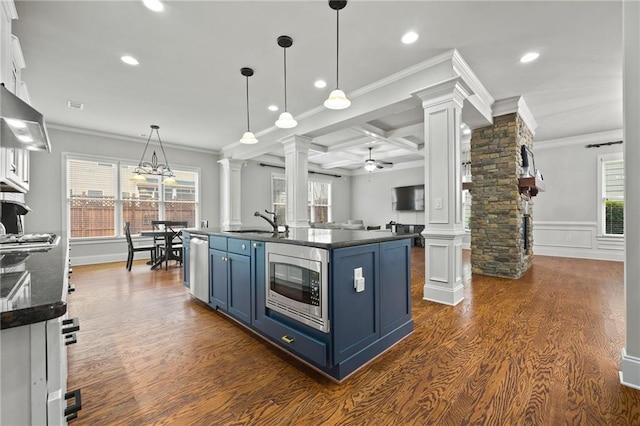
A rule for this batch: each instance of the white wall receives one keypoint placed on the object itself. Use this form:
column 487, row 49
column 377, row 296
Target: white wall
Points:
column 371, row 199
column 256, row 193
column 46, row 197
column 565, row 214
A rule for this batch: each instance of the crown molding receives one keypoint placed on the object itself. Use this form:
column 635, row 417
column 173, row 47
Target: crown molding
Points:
column 599, row 137
column 516, row 104
column 89, row 132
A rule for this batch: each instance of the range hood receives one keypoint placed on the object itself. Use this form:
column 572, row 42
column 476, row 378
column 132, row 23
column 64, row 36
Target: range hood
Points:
column 21, row 126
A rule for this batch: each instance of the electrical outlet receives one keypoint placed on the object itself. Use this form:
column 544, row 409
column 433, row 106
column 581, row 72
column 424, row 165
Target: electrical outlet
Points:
column 358, row 280
column 438, row 203
column 569, row 238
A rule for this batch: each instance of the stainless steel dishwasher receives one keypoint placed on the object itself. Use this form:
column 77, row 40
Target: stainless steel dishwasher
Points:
column 199, row 267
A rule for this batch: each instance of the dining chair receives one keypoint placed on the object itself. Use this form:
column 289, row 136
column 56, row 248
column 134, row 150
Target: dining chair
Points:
column 133, row 249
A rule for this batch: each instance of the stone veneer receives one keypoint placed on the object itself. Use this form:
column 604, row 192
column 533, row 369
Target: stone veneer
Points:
column 498, row 208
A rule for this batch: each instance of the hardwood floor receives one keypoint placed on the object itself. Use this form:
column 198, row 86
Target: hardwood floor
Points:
column 542, row 350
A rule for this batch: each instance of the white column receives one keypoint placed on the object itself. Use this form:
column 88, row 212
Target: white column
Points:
column 296, row 161
column 444, row 228
column 230, row 191
column 630, row 365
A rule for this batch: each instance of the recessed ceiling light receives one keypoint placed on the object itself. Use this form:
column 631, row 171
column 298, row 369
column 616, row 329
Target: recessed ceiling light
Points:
column 529, row 57
column 155, row 5
column 273, row 107
column 320, row 84
column 410, row 37
column 129, row 60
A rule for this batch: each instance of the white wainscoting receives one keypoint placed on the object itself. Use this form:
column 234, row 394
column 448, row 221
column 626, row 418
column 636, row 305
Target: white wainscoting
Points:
column 575, row 239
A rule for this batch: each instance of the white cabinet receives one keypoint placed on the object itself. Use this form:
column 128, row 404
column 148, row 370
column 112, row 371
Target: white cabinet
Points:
column 14, row 170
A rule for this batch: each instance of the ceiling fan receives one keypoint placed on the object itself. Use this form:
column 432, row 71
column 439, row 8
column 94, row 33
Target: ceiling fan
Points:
column 371, row 164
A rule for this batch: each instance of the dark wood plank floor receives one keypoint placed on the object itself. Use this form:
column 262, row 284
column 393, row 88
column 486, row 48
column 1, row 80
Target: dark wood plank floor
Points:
column 542, row 350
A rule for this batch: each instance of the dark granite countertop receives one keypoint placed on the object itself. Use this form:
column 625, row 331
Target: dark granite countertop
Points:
column 39, row 277
column 312, row 237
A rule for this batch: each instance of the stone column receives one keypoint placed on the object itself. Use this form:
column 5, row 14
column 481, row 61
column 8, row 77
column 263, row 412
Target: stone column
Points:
column 630, row 365
column 230, row 191
column 296, row 161
column 501, row 217
column 444, row 228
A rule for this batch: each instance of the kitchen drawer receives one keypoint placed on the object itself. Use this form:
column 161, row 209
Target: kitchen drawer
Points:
column 239, row 246
column 294, row 341
column 218, row 243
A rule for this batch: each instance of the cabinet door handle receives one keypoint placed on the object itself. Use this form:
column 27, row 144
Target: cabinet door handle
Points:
column 74, row 323
column 288, row 340
column 72, row 410
column 256, row 245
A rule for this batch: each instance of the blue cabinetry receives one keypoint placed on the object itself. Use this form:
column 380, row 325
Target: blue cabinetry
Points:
column 230, row 276
column 365, row 320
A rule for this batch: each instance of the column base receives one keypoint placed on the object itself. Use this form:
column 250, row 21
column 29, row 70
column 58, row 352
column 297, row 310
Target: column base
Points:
column 443, row 267
column 630, row 372
column 446, row 296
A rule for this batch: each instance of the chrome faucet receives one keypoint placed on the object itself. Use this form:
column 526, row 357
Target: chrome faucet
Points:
column 273, row 223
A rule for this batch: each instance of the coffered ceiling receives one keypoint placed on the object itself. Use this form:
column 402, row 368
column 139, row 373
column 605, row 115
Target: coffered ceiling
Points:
column 189, row 81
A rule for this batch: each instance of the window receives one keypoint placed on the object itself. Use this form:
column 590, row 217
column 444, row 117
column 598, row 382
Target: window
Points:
column 319, row 201
column 466, row 209
column 102, row 197
column 279, row 196
column 319, row 198
column 611, row 199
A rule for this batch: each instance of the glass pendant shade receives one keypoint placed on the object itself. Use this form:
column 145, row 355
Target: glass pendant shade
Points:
column 286, row 121
column 137, row 177
column 370, row 165
column 248, row 138
column 337, row 100
column 169, row 181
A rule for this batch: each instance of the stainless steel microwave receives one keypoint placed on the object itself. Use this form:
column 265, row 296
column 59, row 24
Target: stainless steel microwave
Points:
column 297, row 283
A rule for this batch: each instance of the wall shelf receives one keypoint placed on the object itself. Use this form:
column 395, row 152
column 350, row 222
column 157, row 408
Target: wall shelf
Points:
column 530, row 185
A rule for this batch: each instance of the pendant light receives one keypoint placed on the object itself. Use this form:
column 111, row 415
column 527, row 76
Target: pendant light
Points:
column 248, row 137
column 286, row 120
column 153, row 167
column 337, row 99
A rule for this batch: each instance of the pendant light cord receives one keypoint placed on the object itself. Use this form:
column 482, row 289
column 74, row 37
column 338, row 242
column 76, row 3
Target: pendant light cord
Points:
column 337, row 46
column 248, row 128
column 285, row 79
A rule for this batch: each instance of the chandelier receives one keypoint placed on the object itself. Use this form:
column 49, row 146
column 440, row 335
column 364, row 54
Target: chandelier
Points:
column 153, row 167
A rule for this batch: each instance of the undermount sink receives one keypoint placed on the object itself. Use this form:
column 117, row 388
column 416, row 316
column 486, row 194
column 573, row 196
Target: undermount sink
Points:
column 250, row 231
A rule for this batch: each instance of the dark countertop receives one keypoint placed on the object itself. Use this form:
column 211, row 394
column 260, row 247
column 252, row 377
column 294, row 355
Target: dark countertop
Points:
column 312, row 237
column 44, row 294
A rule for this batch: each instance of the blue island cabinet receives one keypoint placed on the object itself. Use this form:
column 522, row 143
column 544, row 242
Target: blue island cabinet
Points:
column 230, row 276
column 365, row 320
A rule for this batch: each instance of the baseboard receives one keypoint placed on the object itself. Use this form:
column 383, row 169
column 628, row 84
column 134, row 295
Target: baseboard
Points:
column 577, row 253
column 630, row 370
column 77, row 260
column 443, row 295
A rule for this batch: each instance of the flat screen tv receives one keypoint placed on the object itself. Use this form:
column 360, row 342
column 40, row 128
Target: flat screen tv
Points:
column 408, row 198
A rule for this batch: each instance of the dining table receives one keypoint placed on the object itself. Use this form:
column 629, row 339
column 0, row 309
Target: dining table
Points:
column 168, row 236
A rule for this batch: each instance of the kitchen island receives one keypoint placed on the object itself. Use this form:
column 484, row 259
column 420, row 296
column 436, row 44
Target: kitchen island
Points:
column 335, row 299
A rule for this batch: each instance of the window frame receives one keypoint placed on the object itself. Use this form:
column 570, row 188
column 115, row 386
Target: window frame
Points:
column 118, row 162
column 309, row 204
column 602, row 159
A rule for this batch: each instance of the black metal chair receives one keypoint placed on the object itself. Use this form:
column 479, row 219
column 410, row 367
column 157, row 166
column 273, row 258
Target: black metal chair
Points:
column 133, row 249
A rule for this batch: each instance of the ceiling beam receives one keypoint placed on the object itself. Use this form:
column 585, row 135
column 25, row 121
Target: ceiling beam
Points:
column 381, row 135
column 348, row 143
column 401, row 132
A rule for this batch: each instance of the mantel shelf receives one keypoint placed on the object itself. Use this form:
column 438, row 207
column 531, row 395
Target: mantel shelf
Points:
column 530, row 185
column 467, row 186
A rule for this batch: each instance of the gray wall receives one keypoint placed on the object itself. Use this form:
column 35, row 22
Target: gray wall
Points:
column 46, row 197
column 371, row 199
column 256, row 193
column 565, row 214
